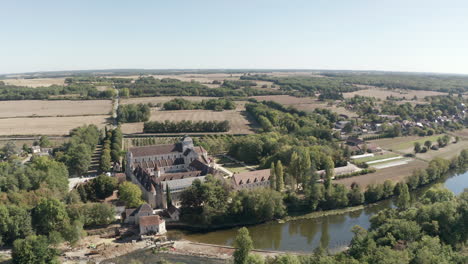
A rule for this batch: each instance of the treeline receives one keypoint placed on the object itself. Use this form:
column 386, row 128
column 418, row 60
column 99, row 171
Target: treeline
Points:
column 130, row 113
column 211, row 203
column 211, row 104
column 186, row 126
column 150, row 86
column 76, row 153
column 435, row 82
column 307, row 85
column 272, row 117
column 433, row 230
column 71, row 91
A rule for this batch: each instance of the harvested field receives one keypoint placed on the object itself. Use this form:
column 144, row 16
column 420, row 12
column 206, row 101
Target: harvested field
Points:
column 35, row 82
column 32, row 108
column 162, row 99
column 382, row 94
column 304, row 103
column 239, row 123
column 396, row 173
column 55, row 142
column 48, row 125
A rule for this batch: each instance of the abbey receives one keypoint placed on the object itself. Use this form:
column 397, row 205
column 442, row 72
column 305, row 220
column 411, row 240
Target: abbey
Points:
column 160, row 167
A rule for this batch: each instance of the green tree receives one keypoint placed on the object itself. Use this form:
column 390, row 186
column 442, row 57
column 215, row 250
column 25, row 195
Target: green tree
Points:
column 243, row 244
column 417, row 147
column 104, row 186
column 428, row 144
column 80, row 159
column 403, row 200
column 33, row 250
column 106, row 161
column 168, row 196
column 44, row 142
column 329, row 172
column 272, row 176
column 130, row 194
column 49, row 215
column 279, row 173
column 294, row 169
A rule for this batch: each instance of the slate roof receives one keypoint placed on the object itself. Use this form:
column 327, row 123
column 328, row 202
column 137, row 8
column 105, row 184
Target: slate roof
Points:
column 159, row 163
column 181, row 184
column 155, row 150
column 177, row 176
column 251, row 177
column 142, row 208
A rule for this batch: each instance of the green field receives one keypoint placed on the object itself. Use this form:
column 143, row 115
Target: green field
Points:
column 378, row 157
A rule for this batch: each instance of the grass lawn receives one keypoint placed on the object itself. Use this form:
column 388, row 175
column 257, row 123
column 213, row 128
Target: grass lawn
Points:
column 231, row 165
column 378, row 157
column 410, row 144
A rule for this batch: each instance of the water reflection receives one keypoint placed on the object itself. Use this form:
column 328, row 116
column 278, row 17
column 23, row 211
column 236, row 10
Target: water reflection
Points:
column 332, row 232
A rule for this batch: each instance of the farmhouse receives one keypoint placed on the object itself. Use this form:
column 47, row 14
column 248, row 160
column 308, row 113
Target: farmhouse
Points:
column 251, row 179
column 143, row 217
column 160, row 167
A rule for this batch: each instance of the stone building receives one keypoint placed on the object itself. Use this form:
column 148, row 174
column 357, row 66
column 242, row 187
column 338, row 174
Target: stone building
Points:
column 154, row 168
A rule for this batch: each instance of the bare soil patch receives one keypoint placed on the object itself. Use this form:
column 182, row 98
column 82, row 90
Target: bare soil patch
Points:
column 39, row 82
column 239, row 123
column 24, row 108
column 396, row 174
column 48, row 125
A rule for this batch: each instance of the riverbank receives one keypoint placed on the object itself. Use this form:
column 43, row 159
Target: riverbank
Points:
column 318, row 214
column 327, row 229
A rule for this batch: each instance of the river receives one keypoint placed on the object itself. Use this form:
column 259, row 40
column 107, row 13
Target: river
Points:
column 332, row 232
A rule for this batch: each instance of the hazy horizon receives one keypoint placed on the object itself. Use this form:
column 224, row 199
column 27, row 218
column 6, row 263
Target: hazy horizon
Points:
column 363, row 35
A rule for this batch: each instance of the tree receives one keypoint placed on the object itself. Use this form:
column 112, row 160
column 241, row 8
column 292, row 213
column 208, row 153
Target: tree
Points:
column 294, row 169
column 49, row 215
column 329, row 171
column 403, row 200
column 33, row 250
column 417, row 147
column 272, row 176
column 80, row 160
column 130, row 194
column 106, row 164
column 355, row 196
column 279, row 176
column 243, row 244
column 168, row 196
column 10, row 149
column 104, row 186
column 44, row 142
column 428, row 144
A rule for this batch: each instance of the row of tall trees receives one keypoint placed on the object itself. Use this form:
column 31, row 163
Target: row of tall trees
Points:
column 77, row 152
column 186, row 126
column 210, row 104
column 112, row 149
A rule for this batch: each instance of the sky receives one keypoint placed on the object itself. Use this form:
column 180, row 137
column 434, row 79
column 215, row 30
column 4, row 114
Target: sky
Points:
column 393, row 35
